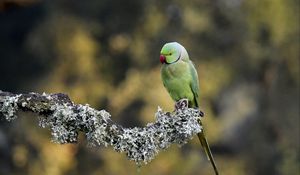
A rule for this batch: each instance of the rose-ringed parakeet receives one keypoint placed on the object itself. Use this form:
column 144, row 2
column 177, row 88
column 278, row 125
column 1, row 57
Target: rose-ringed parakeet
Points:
column 180, row 78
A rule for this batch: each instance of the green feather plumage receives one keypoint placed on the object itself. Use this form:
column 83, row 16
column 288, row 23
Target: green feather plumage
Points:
column 180, row 78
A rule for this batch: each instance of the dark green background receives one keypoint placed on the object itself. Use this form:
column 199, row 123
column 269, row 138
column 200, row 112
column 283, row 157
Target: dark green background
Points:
column 106, row 53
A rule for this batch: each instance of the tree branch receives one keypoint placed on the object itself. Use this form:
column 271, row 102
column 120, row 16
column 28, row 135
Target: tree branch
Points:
column 66, row 119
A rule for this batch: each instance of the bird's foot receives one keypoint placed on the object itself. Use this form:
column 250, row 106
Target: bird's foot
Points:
column 181, row 104
column 201, row 113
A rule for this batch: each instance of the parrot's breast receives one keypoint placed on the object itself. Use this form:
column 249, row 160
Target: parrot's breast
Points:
column 177, row 79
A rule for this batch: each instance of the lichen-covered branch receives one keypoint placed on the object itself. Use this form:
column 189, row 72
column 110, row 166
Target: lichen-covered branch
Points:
column 66, row 119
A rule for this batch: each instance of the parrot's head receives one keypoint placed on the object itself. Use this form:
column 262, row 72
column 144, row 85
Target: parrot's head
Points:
column 172, row 52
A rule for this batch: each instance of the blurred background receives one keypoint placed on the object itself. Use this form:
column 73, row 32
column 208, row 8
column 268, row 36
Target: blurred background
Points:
column 106, row 53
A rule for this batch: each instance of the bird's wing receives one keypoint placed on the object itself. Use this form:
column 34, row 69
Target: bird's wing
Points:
column 194, row 84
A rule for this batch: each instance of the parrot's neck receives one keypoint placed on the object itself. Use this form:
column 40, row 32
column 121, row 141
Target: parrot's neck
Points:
column 184, row 55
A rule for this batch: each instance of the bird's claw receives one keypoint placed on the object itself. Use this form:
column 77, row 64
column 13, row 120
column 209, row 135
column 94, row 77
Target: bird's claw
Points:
column 181, row 104
column 201, row 113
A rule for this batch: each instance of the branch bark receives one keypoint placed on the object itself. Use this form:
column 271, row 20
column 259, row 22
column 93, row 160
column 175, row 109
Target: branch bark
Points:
column 65, row 119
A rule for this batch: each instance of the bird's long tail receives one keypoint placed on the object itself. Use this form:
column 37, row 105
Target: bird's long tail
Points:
column 206, row 148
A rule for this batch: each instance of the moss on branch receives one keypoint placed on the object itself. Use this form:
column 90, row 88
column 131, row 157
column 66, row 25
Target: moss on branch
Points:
column 65, row 119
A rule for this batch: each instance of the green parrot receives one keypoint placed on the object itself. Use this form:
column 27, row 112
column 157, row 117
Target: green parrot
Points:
column 180, row 78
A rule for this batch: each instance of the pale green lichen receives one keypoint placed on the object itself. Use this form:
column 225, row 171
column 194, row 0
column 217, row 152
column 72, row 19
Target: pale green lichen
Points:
column 140, row 144
column 9, row 107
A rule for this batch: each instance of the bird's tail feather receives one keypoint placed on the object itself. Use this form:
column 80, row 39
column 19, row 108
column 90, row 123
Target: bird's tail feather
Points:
column 207, row 150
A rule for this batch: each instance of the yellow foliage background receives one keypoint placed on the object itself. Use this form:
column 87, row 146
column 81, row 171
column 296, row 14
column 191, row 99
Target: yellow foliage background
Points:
column 106, row 53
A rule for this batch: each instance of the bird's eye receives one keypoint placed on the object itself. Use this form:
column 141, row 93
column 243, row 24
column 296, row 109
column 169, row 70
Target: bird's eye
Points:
column 170, row 54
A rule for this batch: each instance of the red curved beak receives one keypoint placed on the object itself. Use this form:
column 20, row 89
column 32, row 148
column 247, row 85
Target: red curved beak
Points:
column 162, row 59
